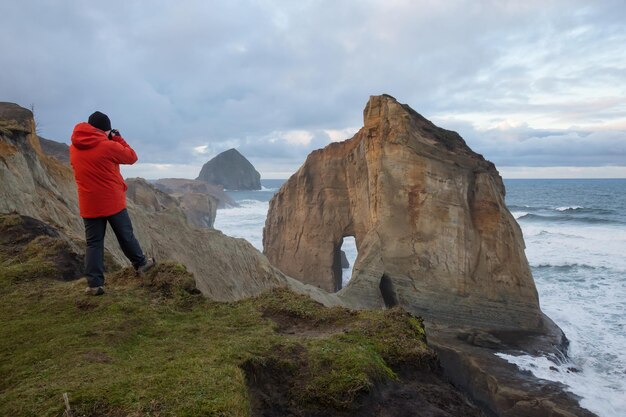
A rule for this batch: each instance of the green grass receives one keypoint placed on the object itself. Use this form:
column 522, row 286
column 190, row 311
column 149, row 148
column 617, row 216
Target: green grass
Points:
column 153, row 347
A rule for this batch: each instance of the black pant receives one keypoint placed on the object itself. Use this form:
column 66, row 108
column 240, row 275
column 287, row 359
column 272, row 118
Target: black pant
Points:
column 95, row 230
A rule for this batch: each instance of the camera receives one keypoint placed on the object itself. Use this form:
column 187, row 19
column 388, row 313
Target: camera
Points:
column 114, row 132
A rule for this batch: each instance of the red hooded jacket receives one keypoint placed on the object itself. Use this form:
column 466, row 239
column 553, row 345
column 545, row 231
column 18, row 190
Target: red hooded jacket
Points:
column 96, row 159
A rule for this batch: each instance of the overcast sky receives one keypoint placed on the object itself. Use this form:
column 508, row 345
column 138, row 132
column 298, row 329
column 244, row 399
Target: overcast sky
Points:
column 538, row 87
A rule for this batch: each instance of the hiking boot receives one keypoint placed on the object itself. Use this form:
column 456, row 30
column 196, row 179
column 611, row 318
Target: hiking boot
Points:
column 145, row 267
column 94, row 290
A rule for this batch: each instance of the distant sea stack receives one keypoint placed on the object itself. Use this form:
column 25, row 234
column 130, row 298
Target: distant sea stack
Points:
column 231, row 170
column 432, row 231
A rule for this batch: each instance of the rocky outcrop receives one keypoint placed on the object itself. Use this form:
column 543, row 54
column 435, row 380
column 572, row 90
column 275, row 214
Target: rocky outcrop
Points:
column 38, row 186
column 146, row 196
column 428, row 216
column 232, row 170
column 32, row 183
column 199, row 208
column 180, row 186
column 496, row 385
column 58, row 150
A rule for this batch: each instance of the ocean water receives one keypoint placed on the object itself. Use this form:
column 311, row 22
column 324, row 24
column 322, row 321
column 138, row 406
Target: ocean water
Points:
column 575, row 234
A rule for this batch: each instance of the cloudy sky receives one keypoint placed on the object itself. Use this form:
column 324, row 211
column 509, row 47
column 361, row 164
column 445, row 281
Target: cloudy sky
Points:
column 538, row 87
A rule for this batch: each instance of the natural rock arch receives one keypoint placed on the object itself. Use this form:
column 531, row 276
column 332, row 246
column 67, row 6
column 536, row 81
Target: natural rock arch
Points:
column 426, row 212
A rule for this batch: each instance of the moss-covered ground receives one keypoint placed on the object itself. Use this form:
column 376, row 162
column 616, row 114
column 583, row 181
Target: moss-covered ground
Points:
column 152, row 346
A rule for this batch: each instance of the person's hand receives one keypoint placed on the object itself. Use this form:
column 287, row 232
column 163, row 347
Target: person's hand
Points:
column 113, row 133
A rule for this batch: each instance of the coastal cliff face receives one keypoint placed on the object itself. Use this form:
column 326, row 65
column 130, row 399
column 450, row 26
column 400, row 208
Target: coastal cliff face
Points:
column 177, row 187
column 39, row 186
column 31, row 182
column 232, row 170
column 200, row 208
column 432, row 231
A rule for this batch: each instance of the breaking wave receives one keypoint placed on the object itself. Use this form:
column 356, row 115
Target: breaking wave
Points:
column 566, row 218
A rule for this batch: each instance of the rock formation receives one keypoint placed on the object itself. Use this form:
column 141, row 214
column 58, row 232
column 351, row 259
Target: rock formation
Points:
column 199, row 208
column 428, row 216
column 147, row 197
column 232, row 170
column 58, row 150
column 32, row 183
column 177, row 187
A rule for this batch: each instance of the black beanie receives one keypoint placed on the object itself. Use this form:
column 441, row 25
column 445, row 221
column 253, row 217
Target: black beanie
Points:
column 100, row 121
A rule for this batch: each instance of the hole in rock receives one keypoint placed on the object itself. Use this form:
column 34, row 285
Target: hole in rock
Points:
column 348, row 259
column 388, row 292
column 344, row 259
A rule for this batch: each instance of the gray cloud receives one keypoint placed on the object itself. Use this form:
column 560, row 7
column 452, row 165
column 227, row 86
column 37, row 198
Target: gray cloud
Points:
column 176, row 76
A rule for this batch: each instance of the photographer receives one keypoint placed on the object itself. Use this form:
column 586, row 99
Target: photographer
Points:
column 95, row 155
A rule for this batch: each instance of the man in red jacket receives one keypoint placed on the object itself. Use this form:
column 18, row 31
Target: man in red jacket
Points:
column 96, row 154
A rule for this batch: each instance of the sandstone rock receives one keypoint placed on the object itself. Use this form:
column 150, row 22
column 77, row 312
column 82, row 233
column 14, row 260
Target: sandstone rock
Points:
column 32, row 183
column 58, row 150
column 148, row 197
column 199, row 208
column 428, row 216
column 496, row 385
column 232, row 170
column 179, row 186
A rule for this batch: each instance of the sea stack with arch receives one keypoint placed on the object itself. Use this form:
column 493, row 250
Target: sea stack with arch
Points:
column 432, row 230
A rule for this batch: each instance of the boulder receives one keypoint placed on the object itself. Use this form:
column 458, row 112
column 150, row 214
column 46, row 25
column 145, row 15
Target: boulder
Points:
column 231, row 170
column 428, row 215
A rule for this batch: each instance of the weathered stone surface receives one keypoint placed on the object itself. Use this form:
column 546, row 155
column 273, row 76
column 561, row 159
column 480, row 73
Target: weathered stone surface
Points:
column 32, row 183
column 41, row 187
column 199, row 208
column 179, row 186
column 497, row 386
column 232, row 170
column 58, row 150
column 428, row 216
column 148, row 197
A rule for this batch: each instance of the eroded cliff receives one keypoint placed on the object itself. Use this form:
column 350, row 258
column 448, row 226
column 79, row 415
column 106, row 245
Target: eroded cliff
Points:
column 41, row 187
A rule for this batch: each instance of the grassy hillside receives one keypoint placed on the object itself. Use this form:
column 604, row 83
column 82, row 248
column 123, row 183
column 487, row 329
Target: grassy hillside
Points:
column 153, row 346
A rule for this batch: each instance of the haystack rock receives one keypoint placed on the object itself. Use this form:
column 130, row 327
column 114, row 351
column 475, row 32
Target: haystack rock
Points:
column 232, row 170
column 428, row 215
